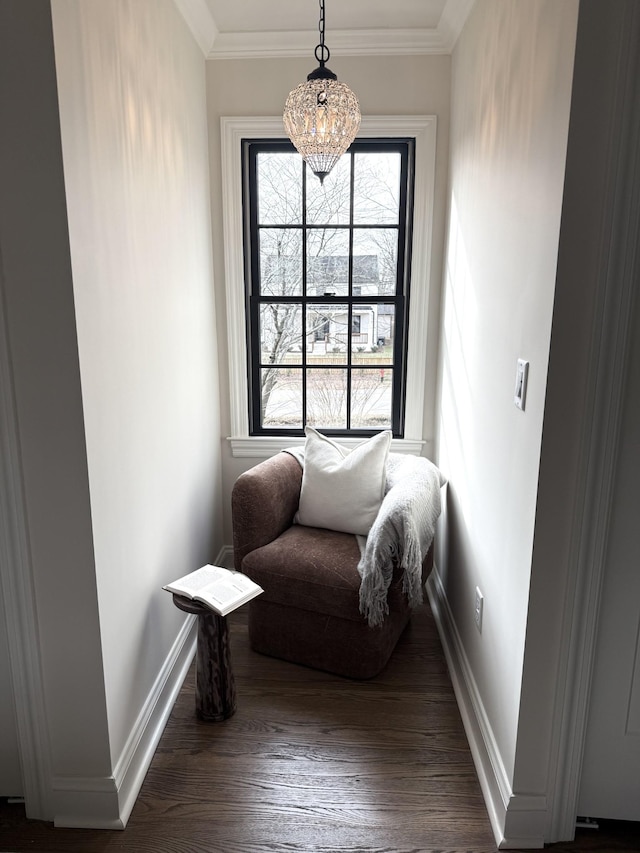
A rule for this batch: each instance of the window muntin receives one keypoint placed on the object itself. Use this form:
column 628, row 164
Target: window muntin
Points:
column 325, row 350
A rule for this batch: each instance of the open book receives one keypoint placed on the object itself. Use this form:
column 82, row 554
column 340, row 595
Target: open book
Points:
column 220, row 589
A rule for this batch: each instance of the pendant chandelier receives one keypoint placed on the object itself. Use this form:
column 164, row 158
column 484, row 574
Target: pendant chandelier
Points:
column 322, row 116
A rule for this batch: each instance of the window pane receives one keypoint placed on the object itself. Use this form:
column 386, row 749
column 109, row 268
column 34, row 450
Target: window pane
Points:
column 372, row 331
column 327, row 334
column 280, row 333
column 280, row 262
column 362, row 329
column 375, row 260
column 370, row 399
column 327, row 398
column 327, row 262
column 323, row 279
column 281, row 397
column 376, row 193
column 279, row 188
column 328, row 203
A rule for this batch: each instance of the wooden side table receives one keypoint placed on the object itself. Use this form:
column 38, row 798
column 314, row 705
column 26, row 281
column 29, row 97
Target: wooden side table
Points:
column 215, row 685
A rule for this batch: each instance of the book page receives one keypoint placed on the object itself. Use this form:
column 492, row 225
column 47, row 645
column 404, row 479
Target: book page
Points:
column 221, row 589
column 229, row 592
column 222, row 594
column 193, row 583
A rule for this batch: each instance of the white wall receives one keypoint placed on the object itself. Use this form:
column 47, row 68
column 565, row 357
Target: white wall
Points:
column 417, row 85
column 41, row 336
column 511, row 87
column 131, row 83
column 110, row 328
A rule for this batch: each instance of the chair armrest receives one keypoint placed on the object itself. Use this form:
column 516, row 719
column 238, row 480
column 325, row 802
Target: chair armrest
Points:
column 264, row 501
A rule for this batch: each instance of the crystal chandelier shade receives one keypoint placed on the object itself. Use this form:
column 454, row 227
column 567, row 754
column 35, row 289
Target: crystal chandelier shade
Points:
column 321, row 116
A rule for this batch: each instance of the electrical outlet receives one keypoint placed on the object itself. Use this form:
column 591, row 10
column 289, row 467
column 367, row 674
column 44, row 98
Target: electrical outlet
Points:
column 478, row 609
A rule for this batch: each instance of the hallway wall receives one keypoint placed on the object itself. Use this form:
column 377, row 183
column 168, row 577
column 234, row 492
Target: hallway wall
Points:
column 131, row 83
column 511, row 91
column 105, row 239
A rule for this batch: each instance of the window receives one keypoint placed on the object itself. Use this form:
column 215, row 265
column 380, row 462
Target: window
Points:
column 327, row 287
column 419, row 395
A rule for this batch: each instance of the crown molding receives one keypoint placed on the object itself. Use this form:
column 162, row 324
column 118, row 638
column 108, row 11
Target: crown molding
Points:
column 453, row 18
column 343, row 43
column 200, row 21
column 366, row 42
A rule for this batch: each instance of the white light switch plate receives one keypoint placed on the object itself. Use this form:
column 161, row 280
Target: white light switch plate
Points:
column 522, row 374
column 479, row 607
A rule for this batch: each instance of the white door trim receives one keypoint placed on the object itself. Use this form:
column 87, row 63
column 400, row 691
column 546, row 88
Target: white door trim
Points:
column 16, row 579
column 618, row 271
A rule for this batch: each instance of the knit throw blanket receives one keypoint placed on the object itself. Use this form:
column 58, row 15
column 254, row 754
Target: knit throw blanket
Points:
column 401, row 534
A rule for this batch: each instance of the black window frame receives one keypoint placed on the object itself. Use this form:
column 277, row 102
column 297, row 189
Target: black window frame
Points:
column 405, row 146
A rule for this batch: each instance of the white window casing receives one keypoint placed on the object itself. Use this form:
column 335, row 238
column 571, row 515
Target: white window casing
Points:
column 233, row 131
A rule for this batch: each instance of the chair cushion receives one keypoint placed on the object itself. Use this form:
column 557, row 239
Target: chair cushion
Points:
column 313, row 569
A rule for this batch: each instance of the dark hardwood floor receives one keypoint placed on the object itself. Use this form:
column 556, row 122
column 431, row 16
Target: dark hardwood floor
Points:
column 308, row 763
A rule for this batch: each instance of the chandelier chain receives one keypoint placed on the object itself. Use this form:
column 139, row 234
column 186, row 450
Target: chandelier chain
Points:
column 322, row 52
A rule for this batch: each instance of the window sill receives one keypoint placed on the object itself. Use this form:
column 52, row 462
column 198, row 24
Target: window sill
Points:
column 262, row 447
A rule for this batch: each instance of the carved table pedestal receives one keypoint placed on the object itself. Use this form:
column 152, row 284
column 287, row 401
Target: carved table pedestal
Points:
column 215, row 685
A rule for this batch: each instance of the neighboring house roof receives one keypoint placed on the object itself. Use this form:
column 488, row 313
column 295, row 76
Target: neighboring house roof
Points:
column 325, row 269
column 335, row 268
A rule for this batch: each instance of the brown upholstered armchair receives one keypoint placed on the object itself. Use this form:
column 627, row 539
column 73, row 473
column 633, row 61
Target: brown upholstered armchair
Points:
column 309, row 612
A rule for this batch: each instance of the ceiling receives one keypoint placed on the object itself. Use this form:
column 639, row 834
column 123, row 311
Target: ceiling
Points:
column 231, row 29
column 278, row 15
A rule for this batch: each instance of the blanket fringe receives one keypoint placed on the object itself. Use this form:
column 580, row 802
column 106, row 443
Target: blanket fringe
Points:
column 400, row 536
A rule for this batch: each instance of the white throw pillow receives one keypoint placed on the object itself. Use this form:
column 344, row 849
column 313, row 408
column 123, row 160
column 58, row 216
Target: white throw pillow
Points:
column 342, row 489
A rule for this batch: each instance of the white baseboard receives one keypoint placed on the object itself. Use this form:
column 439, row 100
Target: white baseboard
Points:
column 107, row 802
column 141, row 745
column 86, row 802
column 225, row 557
column 517, row 821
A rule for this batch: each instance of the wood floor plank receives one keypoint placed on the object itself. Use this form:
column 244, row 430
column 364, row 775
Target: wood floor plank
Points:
column 310, row 763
